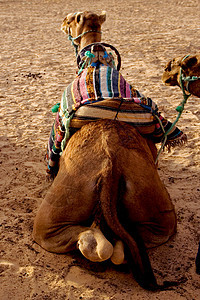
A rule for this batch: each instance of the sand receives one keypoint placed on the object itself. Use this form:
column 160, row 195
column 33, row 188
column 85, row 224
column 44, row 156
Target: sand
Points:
column 37, row 62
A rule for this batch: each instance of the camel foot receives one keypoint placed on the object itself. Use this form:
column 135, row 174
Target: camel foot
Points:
column 94, row 246
column 118, row 253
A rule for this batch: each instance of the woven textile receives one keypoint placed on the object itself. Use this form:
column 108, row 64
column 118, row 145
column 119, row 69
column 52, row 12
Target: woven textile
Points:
column 101, row 92
column 54, row 145
column 96, row 83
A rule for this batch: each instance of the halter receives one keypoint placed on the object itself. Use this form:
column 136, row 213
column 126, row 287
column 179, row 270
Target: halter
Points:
column 187, row 79
column 80, row 35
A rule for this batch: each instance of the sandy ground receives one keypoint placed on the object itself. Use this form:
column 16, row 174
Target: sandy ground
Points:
column 37, row 62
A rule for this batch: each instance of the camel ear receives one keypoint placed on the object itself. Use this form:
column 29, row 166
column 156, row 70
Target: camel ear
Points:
column 189, row 62
column 102, row 17
column 67, row 20
column 70, row 17
column 79, row 18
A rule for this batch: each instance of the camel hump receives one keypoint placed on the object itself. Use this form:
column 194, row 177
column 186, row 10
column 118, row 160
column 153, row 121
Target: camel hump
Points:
column 114, row 134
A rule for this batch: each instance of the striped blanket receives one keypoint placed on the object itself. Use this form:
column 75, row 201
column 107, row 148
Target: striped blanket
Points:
column 101, row 92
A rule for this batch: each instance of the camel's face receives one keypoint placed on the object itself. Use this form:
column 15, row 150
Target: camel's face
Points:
column 80, row 22
column 190, row 66
column 172, row 69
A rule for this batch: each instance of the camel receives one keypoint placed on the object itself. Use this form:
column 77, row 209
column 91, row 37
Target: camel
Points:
column 107, row 199
column 185, row 73
column 190, row 68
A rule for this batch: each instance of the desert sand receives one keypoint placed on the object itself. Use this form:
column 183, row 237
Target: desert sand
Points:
column 37, row 63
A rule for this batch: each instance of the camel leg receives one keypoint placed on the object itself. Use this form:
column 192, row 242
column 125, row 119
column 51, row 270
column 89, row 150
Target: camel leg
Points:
column 66, row 211
column 90, row 241
column 56, row 238
column 160, row 231
column 118, row 253
column 94, row 246
column 57, row 229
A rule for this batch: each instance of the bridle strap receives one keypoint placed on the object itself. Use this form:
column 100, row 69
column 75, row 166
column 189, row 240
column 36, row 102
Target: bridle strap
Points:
column 79, row 36
column 186, row 79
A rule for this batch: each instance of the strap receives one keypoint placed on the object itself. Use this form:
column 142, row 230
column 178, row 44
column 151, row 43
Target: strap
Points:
column 77, row 37
column 88, row 48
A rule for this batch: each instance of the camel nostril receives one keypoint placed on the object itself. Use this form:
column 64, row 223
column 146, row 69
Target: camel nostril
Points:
column 168, row 67
column 168, row 80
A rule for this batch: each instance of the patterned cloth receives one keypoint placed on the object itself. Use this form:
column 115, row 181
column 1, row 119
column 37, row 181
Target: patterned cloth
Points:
column 96, row 83
column 54, row 146
column 101, row 92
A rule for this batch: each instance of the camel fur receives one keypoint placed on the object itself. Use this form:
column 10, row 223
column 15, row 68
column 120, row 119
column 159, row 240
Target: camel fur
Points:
column 106, row 163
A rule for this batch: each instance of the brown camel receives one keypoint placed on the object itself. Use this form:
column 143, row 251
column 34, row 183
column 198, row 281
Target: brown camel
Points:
column 107, row 199
column 189, row 67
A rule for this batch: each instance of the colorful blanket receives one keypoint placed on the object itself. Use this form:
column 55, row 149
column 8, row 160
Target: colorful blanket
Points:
column 101, row 92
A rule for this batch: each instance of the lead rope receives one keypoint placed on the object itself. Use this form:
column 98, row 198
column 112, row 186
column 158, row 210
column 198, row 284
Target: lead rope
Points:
column 179, row 109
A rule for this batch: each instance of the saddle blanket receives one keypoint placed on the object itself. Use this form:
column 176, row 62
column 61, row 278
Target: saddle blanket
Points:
column 101, row 92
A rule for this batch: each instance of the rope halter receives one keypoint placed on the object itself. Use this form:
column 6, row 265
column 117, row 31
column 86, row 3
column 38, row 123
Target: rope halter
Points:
column 186, row 79
column 77, row 37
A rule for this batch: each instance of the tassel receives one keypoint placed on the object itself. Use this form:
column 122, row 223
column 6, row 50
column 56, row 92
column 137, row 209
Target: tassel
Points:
column 180, row 141
column 55, row 108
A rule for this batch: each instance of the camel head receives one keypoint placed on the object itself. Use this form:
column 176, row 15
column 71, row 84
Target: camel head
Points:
column 84, row 27
column 171, row 73
column 190, row 68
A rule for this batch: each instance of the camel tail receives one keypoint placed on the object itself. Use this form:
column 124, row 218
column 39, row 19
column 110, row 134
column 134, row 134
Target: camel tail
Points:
column 135, row 250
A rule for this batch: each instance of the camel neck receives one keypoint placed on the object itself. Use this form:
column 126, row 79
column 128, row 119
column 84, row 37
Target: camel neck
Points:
column 90, row 38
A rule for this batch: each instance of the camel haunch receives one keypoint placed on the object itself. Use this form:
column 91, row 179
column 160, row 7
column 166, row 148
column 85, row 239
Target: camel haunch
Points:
column 97, row 160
